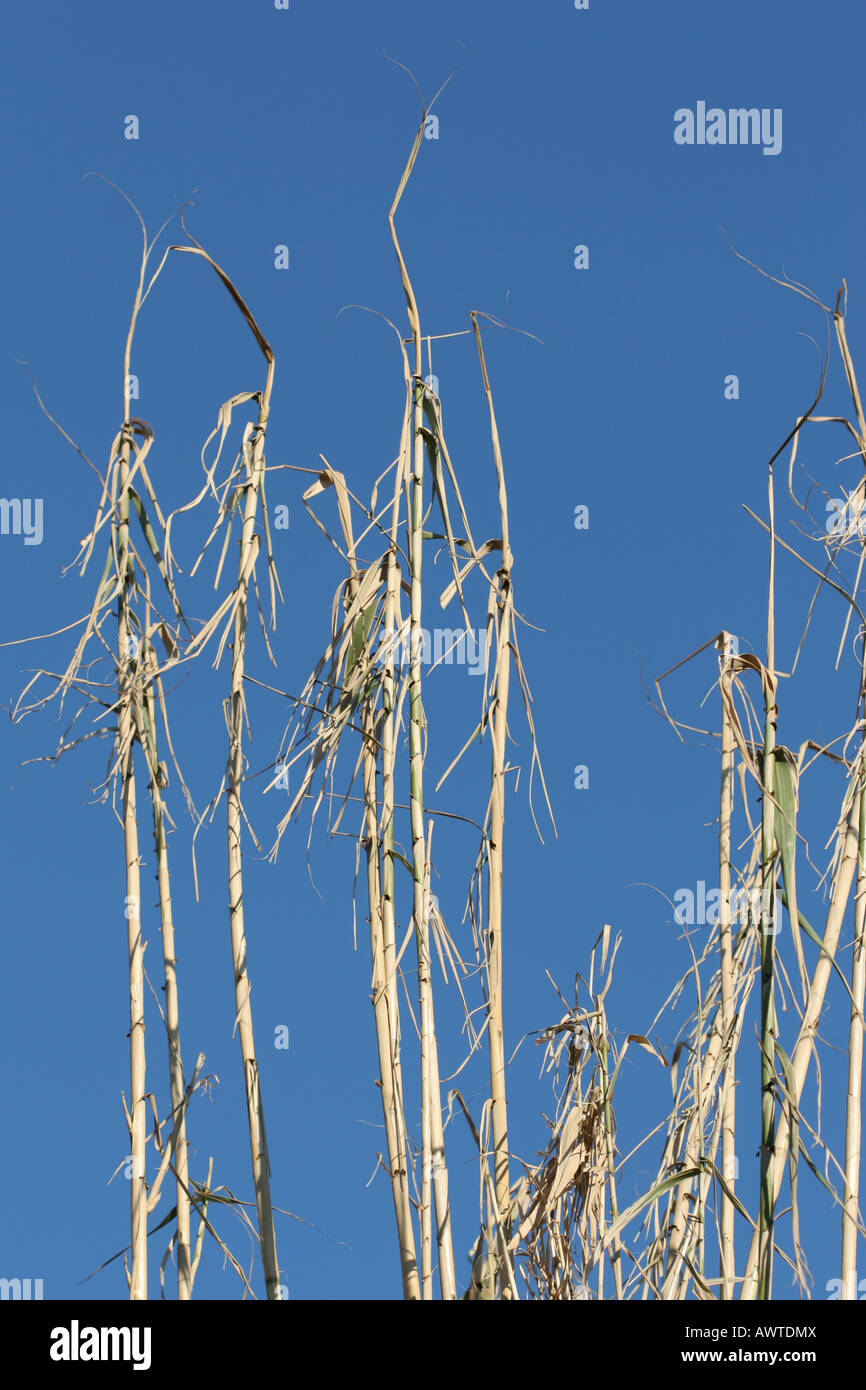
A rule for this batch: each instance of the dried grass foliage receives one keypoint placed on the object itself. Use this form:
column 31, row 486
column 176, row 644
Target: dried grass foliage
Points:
column 554, row 1228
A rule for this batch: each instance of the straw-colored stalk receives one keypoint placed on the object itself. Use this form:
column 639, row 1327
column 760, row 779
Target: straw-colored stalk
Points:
column 853, row 1115
column 610, row 1148
column 255, row 1110
column 409, row 1262
column 138, row 685
column 427, row 1027
column 686, row 1221
column 687, row 1145
column 137, row 1100
column 849, row 832
column 499, row 730
column 853, row 1119
column 172, row 1013
column 433, row 1170
column 381, row 918
column 705, row 1088
column 766, row 1207
column 126, row 682
column 391, row 1096
column 686, row 1213
column 728, row 1097
column 439, row 1171
column 385, row 830
column 362, row 678
column 251, row 490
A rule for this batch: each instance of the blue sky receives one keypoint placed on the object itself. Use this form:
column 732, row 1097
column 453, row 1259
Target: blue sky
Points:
column 291, row 128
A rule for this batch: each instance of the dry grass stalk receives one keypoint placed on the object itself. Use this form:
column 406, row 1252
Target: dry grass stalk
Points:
column 356, row 688
column 434, row 1171
column 853, row 1119
column 498, row 733
column 244, row 491
column 139, row 705
column 766, row 1205
column 158, row 781
column 124, row 577
column 728, row 1100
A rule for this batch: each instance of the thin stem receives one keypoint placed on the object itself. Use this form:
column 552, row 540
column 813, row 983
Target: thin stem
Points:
column 126, row 681
column 499, row 729
column 853, row 1118
column 172, row 1010
column 726, row 968
column 255, row 1109
column 766, row 1209
column 432, row 1155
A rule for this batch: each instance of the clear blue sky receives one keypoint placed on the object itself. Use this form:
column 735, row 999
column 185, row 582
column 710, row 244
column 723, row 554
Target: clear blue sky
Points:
column 292, row 128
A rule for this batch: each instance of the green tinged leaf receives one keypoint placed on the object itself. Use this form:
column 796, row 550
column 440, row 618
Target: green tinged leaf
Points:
column 786, row 822
column 785, row 827
column 360, row 630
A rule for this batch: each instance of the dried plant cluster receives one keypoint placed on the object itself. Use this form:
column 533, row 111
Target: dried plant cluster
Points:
column 553, row 1228
column 700, row 1229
